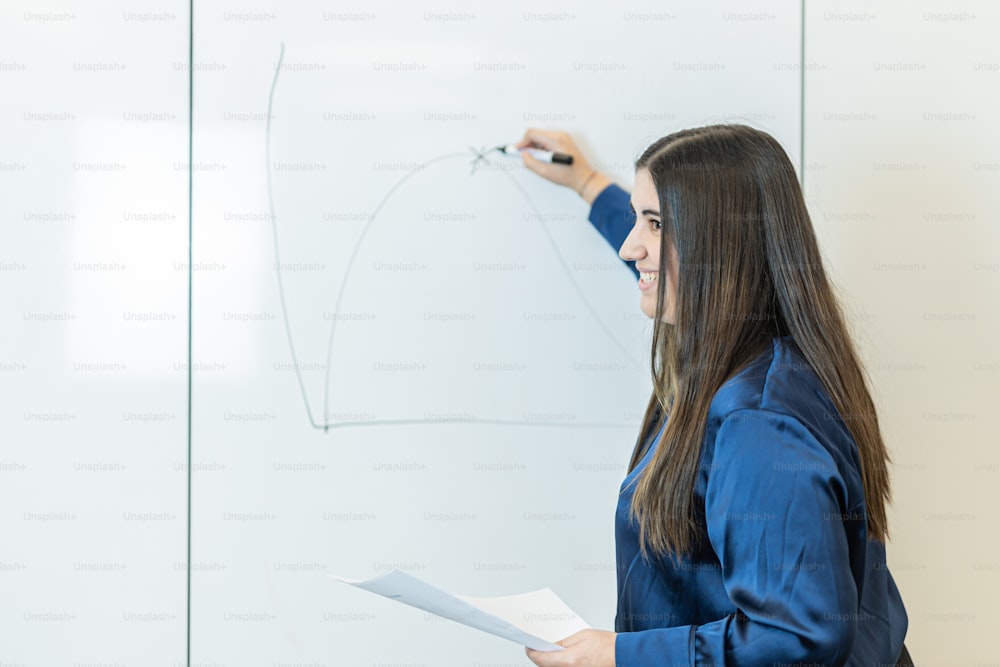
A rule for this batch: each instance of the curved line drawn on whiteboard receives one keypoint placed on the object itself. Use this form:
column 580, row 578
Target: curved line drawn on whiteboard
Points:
column 479, row 157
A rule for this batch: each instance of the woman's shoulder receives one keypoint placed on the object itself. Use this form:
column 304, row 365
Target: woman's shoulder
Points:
column 777, row 406
column 779, row 380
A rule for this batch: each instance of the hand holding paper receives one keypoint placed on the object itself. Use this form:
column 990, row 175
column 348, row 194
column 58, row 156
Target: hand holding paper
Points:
column 587, row 648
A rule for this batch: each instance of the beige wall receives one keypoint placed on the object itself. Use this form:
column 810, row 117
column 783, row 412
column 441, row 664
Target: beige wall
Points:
column 902, row 172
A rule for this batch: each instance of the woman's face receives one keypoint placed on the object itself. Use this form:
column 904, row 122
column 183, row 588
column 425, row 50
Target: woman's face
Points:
column 643, row 247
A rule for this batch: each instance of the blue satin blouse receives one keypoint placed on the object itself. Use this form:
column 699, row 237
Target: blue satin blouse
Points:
column 785, row 573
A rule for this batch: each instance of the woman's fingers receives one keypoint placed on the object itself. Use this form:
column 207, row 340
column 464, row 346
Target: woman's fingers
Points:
column 571, row 176
column 546, row 139
column 574, row 638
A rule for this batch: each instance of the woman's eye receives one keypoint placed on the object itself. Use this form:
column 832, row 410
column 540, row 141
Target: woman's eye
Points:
column 656, row 224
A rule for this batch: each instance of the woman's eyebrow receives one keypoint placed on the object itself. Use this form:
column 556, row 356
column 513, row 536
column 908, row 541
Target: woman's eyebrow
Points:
column 646, row 212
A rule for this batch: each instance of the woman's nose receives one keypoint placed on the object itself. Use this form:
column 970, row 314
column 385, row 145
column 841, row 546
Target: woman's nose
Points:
column 631, row 249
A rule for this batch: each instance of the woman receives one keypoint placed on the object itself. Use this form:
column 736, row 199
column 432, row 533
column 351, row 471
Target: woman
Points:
column 751, row 525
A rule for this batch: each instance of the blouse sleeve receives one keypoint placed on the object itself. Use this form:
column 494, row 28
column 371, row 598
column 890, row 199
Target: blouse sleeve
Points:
column 612, row 216
column 774, row 506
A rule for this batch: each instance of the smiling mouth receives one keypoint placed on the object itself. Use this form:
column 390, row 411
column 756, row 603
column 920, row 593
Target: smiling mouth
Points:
column 647, row 277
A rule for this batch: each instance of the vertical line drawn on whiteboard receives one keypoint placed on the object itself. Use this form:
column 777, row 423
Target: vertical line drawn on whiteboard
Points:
column 478, row 158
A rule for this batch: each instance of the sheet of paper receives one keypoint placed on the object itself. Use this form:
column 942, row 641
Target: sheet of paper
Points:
column 535, row 619
column 540, row 613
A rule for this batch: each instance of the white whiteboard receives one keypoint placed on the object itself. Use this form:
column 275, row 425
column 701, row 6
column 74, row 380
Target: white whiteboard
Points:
column 457, row 305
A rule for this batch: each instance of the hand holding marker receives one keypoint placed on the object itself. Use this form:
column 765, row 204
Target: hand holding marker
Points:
column 567, row 165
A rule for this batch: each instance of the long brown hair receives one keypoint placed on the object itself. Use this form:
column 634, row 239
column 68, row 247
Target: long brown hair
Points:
column 749, row 269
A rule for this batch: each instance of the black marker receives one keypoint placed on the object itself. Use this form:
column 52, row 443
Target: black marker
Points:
column 538, row 154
